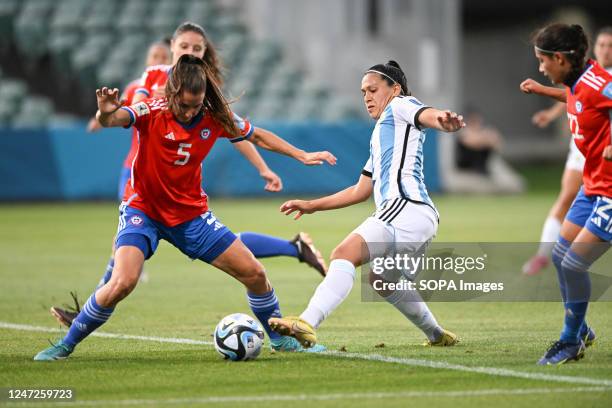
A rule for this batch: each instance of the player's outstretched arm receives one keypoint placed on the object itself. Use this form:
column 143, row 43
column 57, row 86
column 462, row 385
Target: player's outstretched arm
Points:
column 269, row 141
column 445, row 121
column 543, row 118
column 347, row 197
column 273, row 181
column 109, row 114
column 529, row 86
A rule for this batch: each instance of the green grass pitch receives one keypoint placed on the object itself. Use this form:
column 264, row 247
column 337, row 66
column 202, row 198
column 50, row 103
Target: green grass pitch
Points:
column 46, row 250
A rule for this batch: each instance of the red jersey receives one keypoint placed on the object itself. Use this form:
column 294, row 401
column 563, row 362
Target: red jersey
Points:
column 166, row 181
column 126, row 98
column 154, row 78
column 589, row 111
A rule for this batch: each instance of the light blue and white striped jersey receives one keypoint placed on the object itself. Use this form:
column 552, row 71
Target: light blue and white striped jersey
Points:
column 396, row 154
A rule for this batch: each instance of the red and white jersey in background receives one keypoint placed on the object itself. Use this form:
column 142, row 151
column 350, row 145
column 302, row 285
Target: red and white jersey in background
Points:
column 154, row 78
column 166, row 182
column 589, row 111
column 126, row 98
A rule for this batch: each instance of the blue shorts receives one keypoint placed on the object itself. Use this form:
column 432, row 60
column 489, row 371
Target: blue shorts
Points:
column 593, row 213
column 203, row 238
column 126, row 172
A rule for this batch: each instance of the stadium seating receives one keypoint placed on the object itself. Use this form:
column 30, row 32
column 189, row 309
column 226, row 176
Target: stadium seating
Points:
column 105, row 43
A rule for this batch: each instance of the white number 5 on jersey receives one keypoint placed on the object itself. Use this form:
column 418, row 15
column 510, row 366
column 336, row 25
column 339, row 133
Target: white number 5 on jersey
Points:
column 182, row 151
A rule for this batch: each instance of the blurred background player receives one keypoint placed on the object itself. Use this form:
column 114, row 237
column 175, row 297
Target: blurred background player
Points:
column 571, row 180
column 476, row 143
column 165, row 199
column 586, row 232
column 405, row 220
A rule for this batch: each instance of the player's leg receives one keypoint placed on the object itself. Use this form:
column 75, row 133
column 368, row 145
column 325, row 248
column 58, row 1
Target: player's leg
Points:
column 570, row 185
column 330, row 293
column 414, row 228
column 300, row 247
column 137, row 240
column 578, row 247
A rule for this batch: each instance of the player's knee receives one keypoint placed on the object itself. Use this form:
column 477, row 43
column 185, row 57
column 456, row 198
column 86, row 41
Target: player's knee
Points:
column 340, row 252
column 121, row 287
column 256, row 276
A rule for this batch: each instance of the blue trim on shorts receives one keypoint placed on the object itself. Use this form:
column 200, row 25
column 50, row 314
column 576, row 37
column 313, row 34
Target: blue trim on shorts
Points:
column 137, row 240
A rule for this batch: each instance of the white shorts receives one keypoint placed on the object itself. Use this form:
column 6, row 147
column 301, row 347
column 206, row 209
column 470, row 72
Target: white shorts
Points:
column 575, row 159
column 388, row 231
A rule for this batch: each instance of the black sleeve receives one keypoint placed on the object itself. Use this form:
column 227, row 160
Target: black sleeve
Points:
column 366, row 173
column 417, row 123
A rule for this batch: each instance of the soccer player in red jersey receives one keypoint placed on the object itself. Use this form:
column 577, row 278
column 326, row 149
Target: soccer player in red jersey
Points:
column 190, row 38
column 586, row 232
column 165, row 200
column 571, row 180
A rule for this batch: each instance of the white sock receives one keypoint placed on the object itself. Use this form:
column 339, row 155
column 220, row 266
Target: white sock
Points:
column 411, row 304
column 550, row 234
column 331, row 292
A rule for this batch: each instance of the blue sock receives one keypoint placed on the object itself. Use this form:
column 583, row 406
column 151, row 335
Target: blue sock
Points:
column 264, row 246
column 264, row 307
column 107, row 274
column 89, row 319
column 578, row 291
column 559, row 251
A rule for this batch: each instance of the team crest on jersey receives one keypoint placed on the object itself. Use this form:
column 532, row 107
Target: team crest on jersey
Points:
column 136, row 220
column 141, row 109
column 205, row 133
column 578, row 106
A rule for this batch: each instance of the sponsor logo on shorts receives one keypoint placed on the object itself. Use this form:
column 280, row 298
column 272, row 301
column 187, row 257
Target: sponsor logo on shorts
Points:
column 136, row 220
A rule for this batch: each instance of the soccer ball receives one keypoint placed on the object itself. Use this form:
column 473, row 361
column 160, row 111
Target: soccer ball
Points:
column 239, row 337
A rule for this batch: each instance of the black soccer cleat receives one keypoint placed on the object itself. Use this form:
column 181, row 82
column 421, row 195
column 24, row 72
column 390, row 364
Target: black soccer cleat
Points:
column 67, row 315
column 308, row 254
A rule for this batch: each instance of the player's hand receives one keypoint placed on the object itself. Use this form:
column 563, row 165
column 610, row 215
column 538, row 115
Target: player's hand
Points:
column 93, row 125
column 542, row 118
column 317, row 158
column 450, row 121
column 273, row 181
column 530, row 86
column 607, row 153
column 302, row 207
column 108, row 100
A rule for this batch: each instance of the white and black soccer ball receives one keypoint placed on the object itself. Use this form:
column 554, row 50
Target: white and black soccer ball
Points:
column 239, row 337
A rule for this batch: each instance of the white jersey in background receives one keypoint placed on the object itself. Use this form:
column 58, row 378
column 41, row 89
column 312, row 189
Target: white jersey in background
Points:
column 396, row 156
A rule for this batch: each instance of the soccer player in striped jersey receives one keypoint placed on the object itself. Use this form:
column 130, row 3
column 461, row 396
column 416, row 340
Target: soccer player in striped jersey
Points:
column 586, row 232
column 571, row 180
column 405, row 220
column 165, row 200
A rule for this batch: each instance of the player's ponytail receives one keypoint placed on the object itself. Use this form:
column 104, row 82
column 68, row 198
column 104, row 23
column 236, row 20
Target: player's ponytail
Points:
column 392, row 73
column 569, row 40
column 211, row 57
column 192, row 74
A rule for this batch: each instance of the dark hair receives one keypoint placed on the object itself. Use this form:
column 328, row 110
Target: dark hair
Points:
column 604, row 30
column 392, row 74
column 570, row 40
column 194, row 75
column 210, row 54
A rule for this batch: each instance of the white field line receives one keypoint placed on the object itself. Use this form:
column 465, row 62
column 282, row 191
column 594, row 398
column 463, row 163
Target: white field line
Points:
column 175, row 340
column 323, row 397
column 494, row 371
